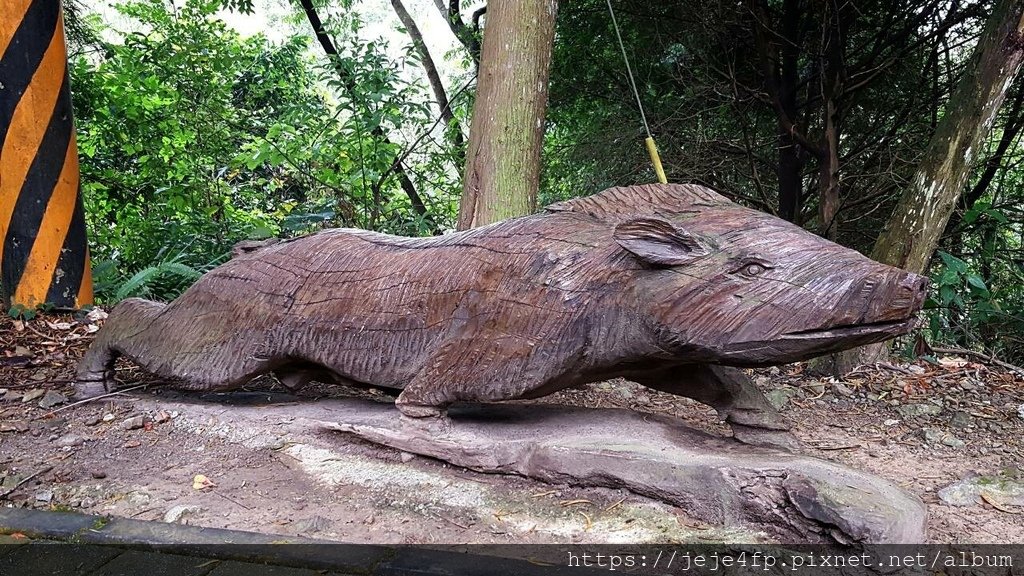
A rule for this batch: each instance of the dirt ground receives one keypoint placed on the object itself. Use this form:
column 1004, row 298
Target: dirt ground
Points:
column 226, row 461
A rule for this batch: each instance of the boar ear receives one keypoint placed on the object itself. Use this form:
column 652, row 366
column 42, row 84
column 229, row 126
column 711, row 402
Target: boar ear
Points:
column 658, row 241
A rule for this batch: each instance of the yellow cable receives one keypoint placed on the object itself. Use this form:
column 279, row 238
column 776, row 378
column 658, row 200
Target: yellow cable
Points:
column 652, row 149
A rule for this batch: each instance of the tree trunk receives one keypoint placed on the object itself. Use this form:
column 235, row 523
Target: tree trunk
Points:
column 791, row 157
column 832, row 71
column 507, row 130
column 912, row 233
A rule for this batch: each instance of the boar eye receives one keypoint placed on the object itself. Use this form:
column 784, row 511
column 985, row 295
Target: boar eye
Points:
column 752, row 269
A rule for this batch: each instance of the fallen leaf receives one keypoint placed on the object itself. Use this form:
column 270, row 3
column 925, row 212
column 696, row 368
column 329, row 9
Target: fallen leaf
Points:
column 953, row 362
column 200, row 482
column 992, row 501
column 615, row 505
column 59, row 325
column 33, row 395
column 589, row 522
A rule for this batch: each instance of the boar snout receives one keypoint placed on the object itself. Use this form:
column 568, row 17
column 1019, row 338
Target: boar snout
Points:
column 884, row 296
column 910, row 293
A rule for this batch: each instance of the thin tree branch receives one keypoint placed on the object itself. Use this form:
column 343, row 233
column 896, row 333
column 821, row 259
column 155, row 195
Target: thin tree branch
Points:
column 454, row 130
column 466, row 36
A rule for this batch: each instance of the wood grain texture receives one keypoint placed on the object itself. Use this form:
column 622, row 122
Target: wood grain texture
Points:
column 653, row 283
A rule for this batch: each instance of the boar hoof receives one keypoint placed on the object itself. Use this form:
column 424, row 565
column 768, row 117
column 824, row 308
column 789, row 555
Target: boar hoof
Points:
column 85, row 389
column 756, row 418
column 765, row 438
column 436, row 425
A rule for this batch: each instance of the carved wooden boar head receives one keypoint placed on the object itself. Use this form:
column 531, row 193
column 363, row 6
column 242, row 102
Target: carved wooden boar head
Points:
column 727, row 284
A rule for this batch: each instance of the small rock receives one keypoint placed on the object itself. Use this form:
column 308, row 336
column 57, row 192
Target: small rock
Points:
column 137, row 499
column 33, row 394
column 312, row 525
column 1001, row 488
column 161, row 417
column 842, row 389
column 52, row 398
column 14, row 426
column 779, row 397
column 22, row 351
column 12, row 396
column 891, row 422
column 44, row 496
column 915, row 369
column 70, row 440
column 932, row 435
column 961, row 419
column 178, row 513
column 134, row 423
column 98, row 474
column 108, row 417
column 916, row 410
column 405, row 456
column 9, row 482
column 953, row 441
column 93, row 420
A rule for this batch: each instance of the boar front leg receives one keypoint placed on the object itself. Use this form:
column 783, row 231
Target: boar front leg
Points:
column 729, row 391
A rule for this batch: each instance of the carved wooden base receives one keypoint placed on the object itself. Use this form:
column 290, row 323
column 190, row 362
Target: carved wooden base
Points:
column 794, row 498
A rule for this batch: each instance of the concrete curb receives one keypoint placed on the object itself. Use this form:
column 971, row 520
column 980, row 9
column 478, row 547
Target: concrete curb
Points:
column 101, row 540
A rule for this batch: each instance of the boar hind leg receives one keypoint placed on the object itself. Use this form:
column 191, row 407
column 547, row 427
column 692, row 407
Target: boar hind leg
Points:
column 729, row 391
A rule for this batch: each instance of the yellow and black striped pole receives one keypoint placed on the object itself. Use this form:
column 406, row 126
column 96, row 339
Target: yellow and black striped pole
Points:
column 44, row 257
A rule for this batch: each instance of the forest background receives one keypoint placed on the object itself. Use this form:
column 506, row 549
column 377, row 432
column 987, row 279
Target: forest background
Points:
column 194, row 136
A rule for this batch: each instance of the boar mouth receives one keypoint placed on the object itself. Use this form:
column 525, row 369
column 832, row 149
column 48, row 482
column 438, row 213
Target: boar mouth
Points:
column 890, row 328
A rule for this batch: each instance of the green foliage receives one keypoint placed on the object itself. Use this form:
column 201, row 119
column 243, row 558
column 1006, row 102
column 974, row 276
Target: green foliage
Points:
column 192, row 138
column 21, row 312
column 143, row 281
column 964, row 310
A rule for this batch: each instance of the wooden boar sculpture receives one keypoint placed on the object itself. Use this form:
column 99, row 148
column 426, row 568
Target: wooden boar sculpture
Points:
column 671, row 286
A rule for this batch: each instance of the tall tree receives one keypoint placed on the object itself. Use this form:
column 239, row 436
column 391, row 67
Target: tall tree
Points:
column 507, row 129
column 912, row 232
